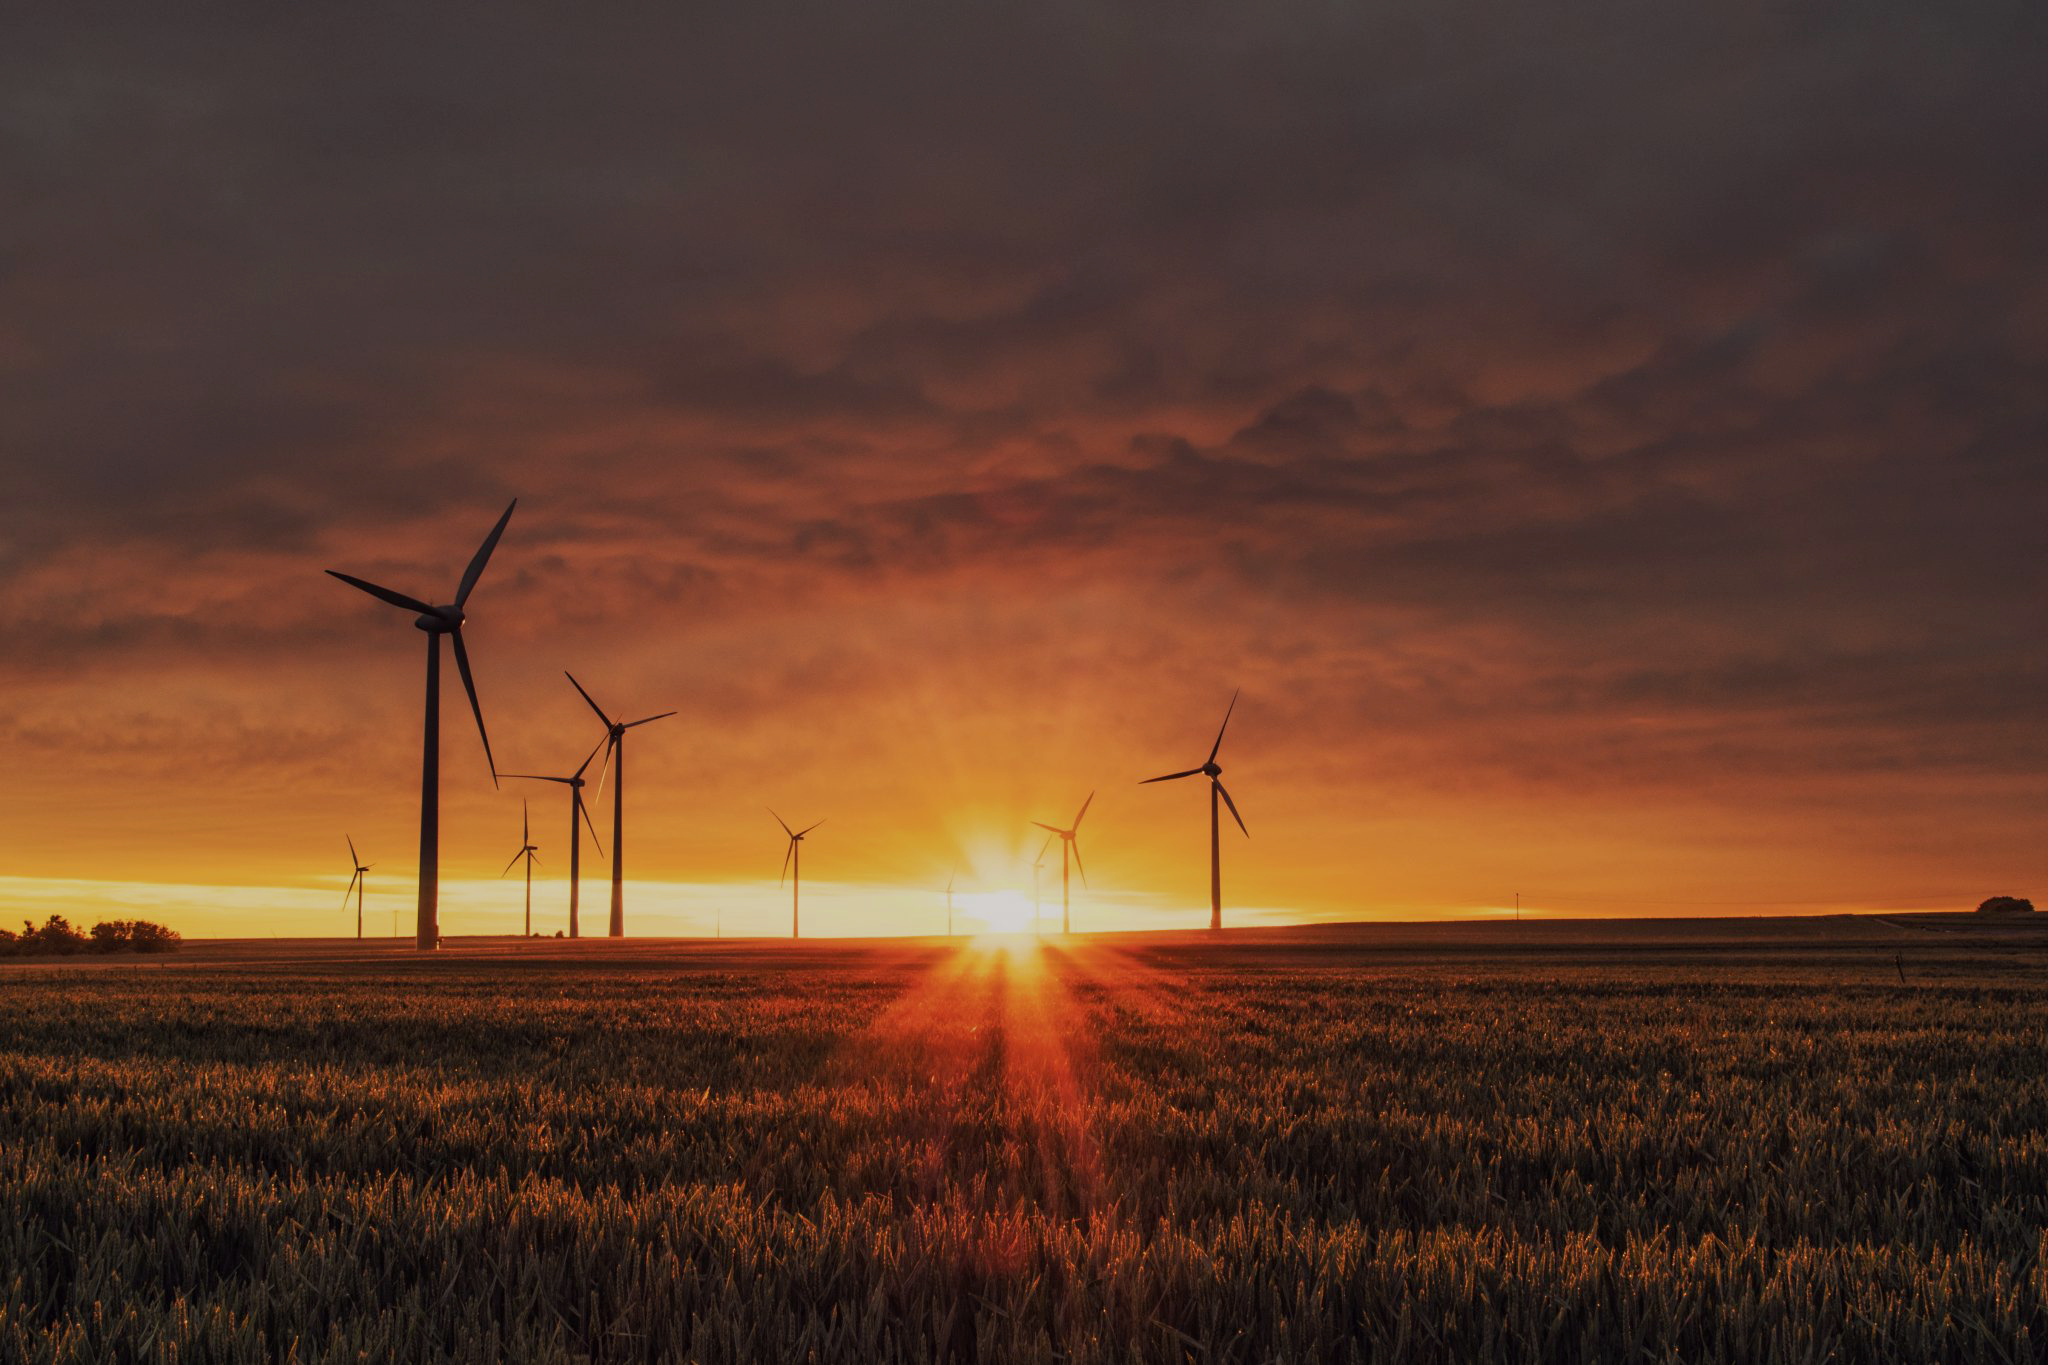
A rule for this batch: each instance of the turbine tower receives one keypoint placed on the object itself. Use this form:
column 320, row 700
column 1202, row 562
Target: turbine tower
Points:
column 355, row 885
column 793, row 868
column 527, row 848
column 615, row 754
column 436, row 622
column 574, row 782
column 1068, row 845
column 949, row 903
column 1214, row 773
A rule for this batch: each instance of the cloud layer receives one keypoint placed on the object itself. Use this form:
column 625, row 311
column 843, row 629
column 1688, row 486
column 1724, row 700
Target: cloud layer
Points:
column 1606, row 447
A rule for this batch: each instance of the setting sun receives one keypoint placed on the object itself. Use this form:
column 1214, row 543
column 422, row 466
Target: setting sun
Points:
column 1000, row 912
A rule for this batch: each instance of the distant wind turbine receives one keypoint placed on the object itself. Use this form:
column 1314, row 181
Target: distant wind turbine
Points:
column 1214, row 773
column 793, row 868
column 949, row 903
column 1068, row 844
column 615, row 763
column 574, row 782
column 527, row 848
column 436, row 622
column 355, row 884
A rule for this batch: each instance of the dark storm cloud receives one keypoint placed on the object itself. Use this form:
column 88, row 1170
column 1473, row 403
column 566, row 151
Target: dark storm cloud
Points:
column 1671, row 342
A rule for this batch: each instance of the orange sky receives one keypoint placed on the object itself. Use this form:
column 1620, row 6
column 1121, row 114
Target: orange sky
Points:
column 944, row 416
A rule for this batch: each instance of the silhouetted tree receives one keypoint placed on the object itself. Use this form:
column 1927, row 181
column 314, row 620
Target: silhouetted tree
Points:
column 133, row 935
column 2006, row 905
column 56, row 938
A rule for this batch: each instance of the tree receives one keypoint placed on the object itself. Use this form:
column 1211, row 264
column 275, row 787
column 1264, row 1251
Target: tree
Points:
column 56, row 938
column 2006, row 905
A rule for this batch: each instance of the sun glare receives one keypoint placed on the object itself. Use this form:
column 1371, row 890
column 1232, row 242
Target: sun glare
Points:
column 1000, row 912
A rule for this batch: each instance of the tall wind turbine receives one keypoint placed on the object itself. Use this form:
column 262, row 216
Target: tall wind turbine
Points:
column 1214, row 773
column 793, row 868
column 436, row 622
column 527, row 848
column 615, row 763
column 355, row 884
column 1068, row 845
column 574, row 782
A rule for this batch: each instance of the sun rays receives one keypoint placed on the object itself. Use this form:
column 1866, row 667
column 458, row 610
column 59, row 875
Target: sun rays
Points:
column 991, row 1065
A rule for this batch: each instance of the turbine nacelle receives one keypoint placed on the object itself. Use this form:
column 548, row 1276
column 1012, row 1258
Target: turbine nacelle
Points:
column 440, row 620
column 1212, row 769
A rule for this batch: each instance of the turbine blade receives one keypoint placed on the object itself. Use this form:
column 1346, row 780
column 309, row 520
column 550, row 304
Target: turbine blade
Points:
column 525, row 826
column 1054, row 828
column 1084, row 810
column 602, row 773
column 586, row 696
column 586, row 762
column 649, row 719
column 534, row 777
column 396, row 599
column 1224, row 726
column 808, row 828
column 780, row 821
column 788, row 853
column 469, row 686
column 1078, row 866
column 514, row 863
column 351, row 889
column 1233, row 809
column 1047, row 849
column 482, row 557
column 355, row 859
column 1192, row 772
column 588, row 821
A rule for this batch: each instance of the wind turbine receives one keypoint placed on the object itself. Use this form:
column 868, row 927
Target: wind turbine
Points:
column 355, row 884
column 1214, row 773
column 1068, row 844
column 615, row 754
column 793, row 867
column 436, row 622
column 949, row 903
column 527, row 848
column 574, row 782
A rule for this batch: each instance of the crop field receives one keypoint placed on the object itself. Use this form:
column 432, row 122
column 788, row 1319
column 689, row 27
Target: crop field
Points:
column 1461, row 1144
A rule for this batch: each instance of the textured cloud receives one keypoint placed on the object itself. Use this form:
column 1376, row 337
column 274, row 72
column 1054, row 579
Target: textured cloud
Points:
column 1619, row 411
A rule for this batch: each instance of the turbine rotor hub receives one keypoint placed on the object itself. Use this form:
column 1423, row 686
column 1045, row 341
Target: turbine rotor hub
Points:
column 1213, row 769
column 439, row 621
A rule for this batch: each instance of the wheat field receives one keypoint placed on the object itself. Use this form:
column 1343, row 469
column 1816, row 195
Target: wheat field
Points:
column 1444, row 1146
